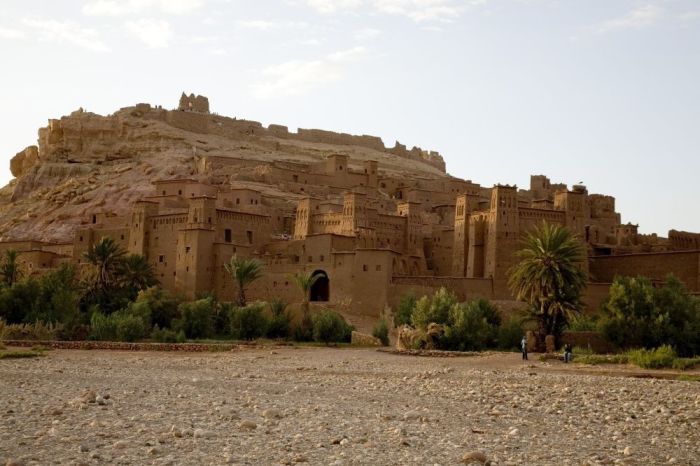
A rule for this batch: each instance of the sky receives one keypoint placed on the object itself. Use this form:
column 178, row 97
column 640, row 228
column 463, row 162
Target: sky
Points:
column 598, row 91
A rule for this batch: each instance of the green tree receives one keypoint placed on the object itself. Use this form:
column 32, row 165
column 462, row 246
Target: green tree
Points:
column 9, row 269
column 433, row 310
column 404, row 310
column 549, row 277
column 244, row 272
column 136, row 274
column 106, row 257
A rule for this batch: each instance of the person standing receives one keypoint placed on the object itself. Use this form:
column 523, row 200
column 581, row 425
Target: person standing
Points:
column 567, row 353
column 523, row 347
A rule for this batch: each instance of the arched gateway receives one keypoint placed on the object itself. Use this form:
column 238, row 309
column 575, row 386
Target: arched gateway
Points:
column 320, row 291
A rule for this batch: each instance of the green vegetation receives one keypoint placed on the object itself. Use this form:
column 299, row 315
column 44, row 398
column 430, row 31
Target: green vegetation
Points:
column 244, row 272
column 280, row 321
column 549, row 278
column 20, row 354
column 330, row 327
column 249, row 322
column 639, row 315
column 304, row 282
column 403, row 313
column 471, row 326
column 381, row 331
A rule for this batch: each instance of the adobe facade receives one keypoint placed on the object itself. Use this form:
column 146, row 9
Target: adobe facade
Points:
column 371, row 233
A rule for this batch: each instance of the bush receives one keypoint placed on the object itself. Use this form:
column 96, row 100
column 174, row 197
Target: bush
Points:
column 249, row 322
column 129, row 327
column 167, row 335
column 197, row 319
column 581, row 323
column 433, row 310
column 38, row 331
column 102, row 327
column 404, row 311
column 161, row 305
column 683, row 364
column 330, row 327
column 471, row 326
column 657, row 358
column 304, row 330
column 638, row 314
column 509, row 335
column 381, row 331
column 280, row 323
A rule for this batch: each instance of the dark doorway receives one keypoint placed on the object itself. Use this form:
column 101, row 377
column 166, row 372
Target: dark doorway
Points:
column 320, row 291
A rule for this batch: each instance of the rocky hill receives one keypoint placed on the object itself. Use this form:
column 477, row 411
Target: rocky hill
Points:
column 86, row 161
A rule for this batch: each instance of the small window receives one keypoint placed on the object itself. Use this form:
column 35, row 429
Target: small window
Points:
column 94, row 218
column 227, row 235
column 208, row 219
column 187, row 249
column 378, row 268
column 295, row 178
column 364, row 268
column 249, row 234
column 311, row 259
column 163, row 192
column 238, row 201
column 187, row 269
column 122, row 237
column 81, row 238
column 321, row 258
column 161, row 258
column 179, row 192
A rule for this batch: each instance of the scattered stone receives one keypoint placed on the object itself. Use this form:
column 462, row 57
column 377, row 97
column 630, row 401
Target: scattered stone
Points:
column 247, row 425
column 272, row 414
column 474, row 457
column 202, row 433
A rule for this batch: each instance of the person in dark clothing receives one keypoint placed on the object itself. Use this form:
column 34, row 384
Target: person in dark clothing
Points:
column 523, row 347
column 567, row 353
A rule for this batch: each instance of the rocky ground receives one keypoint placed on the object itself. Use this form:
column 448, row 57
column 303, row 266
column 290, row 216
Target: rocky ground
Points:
column 335, row 406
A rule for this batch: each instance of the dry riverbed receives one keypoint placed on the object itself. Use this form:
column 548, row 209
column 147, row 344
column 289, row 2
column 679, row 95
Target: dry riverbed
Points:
column 335, row 406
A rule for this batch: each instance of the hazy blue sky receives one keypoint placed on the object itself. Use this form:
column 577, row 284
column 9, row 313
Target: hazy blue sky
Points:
column 601, row 91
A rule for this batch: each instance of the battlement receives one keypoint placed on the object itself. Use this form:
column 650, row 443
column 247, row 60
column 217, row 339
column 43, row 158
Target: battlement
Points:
column 193, row 103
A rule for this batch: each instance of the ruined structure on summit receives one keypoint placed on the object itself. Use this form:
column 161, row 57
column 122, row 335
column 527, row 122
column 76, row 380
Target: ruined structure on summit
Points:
column 188, row 189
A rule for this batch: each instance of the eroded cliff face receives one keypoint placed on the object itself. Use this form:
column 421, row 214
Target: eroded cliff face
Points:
column 86, row 162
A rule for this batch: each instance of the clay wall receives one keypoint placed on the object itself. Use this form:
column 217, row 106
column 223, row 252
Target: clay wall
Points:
column 684, row 265
column 465, row 288
column 162, row 247
column 680, row 240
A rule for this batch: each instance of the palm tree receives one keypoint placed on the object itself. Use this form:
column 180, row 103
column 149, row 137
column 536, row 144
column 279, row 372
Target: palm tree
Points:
column 107, row 258
column 10, row 268
column 244, row 272
column 305, row 282
column 137, row 273
column 549, row 276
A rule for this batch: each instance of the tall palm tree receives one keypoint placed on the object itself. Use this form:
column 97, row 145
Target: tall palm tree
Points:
column 10, row 268
column 137, row 273
column 244, row 272
column 549, row 276
column 107, row 258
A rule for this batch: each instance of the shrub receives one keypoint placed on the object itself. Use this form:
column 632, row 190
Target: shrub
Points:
column 435, row 309
column 129, row 327
column 509, row 335
column 601, row 359
column 102, row 327
column 304, row 330
column 381, row 331
column 657, row 358
column 279, row 324
column 330, row 327
column 20, row 354
column 163, row 306
column 639, row 315
column 471, row 326
column 249, row 322
column 167, row 335
column 404, row 311
column 581, row 323
column 197, row 319
column 683, row 364
column 38, row 331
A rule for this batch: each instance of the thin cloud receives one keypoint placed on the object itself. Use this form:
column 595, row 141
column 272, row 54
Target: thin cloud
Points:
column 155, row 33
column 300, row 77
column 9, row 33
column 417, row 10
column 66, row 31
column 636, row 19
column 131, row 7
column 367, row 34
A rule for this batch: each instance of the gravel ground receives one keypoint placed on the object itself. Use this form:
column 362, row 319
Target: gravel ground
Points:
column 335, row 406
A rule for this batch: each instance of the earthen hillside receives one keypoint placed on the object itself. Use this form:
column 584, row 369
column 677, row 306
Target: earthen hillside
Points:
column 86, row 162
